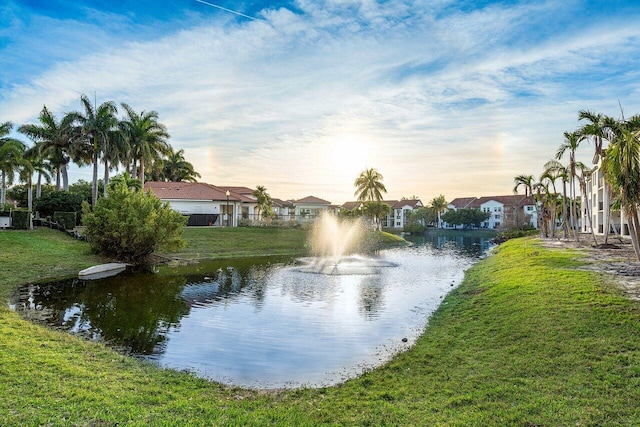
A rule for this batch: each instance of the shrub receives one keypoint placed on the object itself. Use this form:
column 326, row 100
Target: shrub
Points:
column 58, row 201
column 415, row 228
column 130, row 226
column 20, row 219
column 67, row 219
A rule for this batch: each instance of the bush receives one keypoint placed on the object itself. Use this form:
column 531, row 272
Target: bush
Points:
column 59, row 201
column 21, row 219
column 67, row 219
column 130, row 226
column 415, row 228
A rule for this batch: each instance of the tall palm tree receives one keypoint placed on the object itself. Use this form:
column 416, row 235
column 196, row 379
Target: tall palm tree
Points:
column 438, row 205
column 621, row 167
column 369, row 186
column 557, row 170
column 177, row 169
column 26, row 175
column 570, row 145
column 95, row 132
column 54, row 139
column 11, row 152
column 146, row 137
column 525, row 181
column 598, row 128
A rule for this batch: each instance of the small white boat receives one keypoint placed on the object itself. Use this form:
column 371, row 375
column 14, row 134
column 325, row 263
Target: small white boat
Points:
column 101, row 271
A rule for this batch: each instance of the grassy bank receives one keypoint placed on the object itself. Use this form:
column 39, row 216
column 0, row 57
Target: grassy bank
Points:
column 526, row 340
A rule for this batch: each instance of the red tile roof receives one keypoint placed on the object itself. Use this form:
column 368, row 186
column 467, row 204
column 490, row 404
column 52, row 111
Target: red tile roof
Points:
column 462, row 202
column 192, row 191
column 414, row 203
column 311, row 200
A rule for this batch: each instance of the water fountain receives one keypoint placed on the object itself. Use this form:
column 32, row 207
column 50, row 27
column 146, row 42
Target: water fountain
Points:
column 338, row 248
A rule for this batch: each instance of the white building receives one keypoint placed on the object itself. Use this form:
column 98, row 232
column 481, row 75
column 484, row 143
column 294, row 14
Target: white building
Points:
column 511, row 211
column 594, row 202
column 398, row 215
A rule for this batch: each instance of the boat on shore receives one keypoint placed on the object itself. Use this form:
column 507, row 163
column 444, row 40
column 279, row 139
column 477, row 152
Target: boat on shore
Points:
column 103, row 270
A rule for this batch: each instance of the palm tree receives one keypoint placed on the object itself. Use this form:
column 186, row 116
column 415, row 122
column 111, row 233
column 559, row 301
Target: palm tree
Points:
column 11, row 151
column 177, row 169
column 53, row 139
column 621, row 167
column 377, row 210
column 598, row 128
column 42, row 167
column 369, row 186
column 438, row 204
column 528, row 182
column 146, row 137
column 263, row 200
column 94, row 135
column 556, row 170
column 131, row 183
column 525, row 181
column 570, row 145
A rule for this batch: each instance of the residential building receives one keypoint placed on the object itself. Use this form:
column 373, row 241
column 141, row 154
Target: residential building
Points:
column 398, row 215
column 594, row 202
column 505, row 211
column 309, row 208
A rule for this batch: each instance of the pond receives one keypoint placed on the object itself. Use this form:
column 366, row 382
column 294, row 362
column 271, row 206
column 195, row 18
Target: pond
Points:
column 264, row 322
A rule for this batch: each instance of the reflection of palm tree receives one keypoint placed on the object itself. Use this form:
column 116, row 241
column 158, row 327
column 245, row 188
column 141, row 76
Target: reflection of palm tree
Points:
column 369, row 186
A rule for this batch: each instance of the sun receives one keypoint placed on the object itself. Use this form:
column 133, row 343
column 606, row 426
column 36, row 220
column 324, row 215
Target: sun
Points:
column 348, row 154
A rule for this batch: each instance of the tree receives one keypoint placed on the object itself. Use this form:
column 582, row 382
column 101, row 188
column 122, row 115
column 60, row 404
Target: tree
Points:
column 177, row 169
column 598, row 128
column 525, row 181
column 59, row 201
column 130, row 225
column 93, row 136
column 53, row 140
column 466, row 217
column 11, row 152
column 263, row 200
column 554, row 170
column 621, row 167
column 369, row 186
column 570, row 145
column 377, row 210
column 146, row 137
column 438, row 205
column 132, row 184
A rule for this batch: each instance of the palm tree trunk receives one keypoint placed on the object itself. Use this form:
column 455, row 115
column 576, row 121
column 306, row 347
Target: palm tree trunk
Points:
column 142, row 171
column 106, row 177
column 565, row 227
column 634, row 228
column 607, row 212
column 65, row 178
column 3, row 190
column 39, row 186
column 57, row 179
column 30, row 201
column 583, row 190
column 573, row 210
column 94, row 188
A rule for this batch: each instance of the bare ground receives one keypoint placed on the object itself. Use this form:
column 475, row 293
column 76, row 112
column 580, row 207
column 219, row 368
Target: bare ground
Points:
column 617, row 260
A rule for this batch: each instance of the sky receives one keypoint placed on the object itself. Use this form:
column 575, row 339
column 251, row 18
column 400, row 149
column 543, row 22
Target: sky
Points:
column 441, row 97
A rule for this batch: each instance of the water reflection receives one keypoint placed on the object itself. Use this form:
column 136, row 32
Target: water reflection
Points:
column 260, row 322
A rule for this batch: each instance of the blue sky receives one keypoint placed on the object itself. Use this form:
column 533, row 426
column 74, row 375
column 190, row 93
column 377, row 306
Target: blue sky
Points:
column 442, row 97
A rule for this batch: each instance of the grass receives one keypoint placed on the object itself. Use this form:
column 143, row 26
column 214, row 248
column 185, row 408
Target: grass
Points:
column 526, row 340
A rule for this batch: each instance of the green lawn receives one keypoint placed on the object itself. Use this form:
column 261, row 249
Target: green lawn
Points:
column 525, row 340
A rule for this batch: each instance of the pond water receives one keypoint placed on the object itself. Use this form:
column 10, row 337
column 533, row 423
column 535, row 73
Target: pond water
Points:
column 264, row 322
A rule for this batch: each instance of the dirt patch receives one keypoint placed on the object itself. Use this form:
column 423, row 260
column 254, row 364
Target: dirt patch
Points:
column 615, row 259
